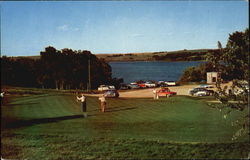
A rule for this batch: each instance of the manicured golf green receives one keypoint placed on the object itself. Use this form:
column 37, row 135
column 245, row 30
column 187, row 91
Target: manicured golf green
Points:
column 51, row 126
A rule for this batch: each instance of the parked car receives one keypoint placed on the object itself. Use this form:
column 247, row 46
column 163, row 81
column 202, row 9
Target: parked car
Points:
column 133, row 86
column 111, row 87
column 170, row 83
column 161, row 84
column 200, row 91
column 123, row 87
column 111, row 93
column 206, row 86
column 166, row 92
column 150, row 84
column 105, row 87
column 133, row 83
column 142, row 85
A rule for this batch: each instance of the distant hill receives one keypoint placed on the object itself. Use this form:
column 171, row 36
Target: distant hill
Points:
column 180, row 55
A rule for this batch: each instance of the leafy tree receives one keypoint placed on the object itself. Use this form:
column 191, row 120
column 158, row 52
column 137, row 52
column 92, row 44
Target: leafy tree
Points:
column 60, row 69
column 235, row 62
column 191, row 74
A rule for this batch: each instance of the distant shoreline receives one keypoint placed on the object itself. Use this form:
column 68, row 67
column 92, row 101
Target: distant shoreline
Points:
column 163, row 56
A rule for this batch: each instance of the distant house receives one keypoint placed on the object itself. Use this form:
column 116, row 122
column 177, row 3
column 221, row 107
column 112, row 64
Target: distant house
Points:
column 212, row 77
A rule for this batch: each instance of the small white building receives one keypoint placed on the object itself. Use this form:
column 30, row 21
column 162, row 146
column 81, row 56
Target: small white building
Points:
column 212, row 77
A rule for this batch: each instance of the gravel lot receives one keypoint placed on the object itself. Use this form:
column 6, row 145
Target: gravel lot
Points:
column 148, row 93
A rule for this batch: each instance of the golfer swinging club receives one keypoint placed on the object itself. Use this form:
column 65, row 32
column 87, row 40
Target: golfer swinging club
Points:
column 83, row 100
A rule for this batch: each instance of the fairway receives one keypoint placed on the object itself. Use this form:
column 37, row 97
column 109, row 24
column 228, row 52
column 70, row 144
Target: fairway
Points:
column 50, row 126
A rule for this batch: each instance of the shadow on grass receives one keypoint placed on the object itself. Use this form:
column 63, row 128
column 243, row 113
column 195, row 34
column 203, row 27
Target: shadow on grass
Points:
column 119, row 109
column 113, row 109
column 24, row 123
column 20, row 104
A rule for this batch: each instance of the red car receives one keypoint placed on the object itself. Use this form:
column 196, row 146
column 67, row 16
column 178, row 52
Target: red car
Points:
column 166, row 92
column 142, row 85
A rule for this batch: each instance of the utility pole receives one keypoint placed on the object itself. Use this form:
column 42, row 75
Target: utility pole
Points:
column 89, row 84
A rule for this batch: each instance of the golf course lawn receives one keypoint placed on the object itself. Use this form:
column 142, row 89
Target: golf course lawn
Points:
column 50, row 126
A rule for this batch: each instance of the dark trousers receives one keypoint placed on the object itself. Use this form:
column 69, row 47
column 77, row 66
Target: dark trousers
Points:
column 84, row 107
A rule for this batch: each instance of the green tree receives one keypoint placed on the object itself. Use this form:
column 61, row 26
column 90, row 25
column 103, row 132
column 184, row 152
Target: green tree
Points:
column 235, row 62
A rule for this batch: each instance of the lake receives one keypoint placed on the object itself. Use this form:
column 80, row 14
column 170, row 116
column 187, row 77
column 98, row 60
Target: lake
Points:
column 158, row 71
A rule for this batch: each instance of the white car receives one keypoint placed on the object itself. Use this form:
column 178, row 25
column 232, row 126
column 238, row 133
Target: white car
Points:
column 150, row 84
column 112, row 87
column 170, row 83
column 105, row 88
column 133, row 83
column 201, row 93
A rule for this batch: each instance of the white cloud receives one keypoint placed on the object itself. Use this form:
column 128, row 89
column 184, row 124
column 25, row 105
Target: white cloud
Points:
column 63, row 27
column 136, row 35
column 66, row 27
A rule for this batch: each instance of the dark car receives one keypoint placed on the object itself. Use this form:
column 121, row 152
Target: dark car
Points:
column 201, row 89
column 111, row 93
column 124, row 87
column 162, row 84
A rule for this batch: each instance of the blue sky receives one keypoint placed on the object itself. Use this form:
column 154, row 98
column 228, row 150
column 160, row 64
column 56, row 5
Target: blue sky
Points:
column 118, row 26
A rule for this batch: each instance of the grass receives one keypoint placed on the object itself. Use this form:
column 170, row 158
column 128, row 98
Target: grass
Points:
column 194, row 55
column 50, row 126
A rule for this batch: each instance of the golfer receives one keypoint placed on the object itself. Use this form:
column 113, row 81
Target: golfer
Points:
column 84, row 107
column 103, row 103
column 155, row 93
column 2, row 95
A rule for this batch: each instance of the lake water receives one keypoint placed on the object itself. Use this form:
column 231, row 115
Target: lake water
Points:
column 158, row 71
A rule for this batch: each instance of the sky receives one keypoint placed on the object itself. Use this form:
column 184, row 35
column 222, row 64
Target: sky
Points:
column 118, row 26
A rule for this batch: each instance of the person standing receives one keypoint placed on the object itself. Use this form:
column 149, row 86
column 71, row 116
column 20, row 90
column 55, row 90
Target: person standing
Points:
column 103, row 103
column 155, row 93
column 2, row 95
column 84, row 106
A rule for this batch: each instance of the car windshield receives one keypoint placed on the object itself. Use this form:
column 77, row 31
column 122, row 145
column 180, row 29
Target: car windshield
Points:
column 165, row 90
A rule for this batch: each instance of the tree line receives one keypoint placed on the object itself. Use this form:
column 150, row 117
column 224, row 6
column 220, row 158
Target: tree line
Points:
column 58, row 69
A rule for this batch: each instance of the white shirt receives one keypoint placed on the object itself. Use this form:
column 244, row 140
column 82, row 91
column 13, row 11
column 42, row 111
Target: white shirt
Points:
column 154, row 91
column 102, row 99
column 82, row 99
column 2, row 94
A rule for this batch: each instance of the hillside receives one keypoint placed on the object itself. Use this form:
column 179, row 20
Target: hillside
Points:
column 180, row 55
